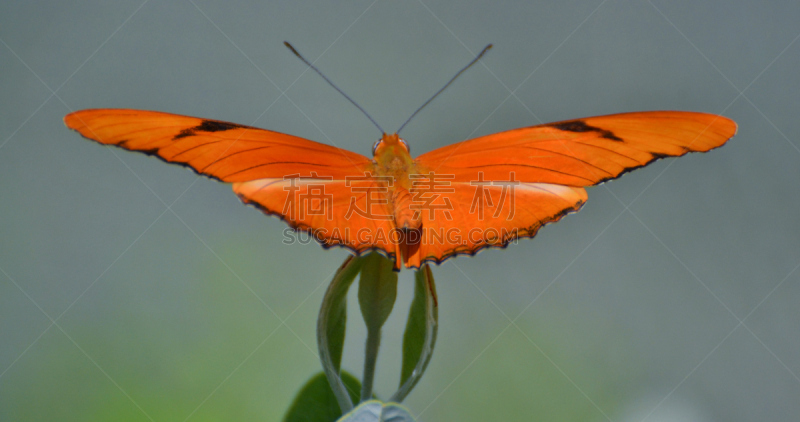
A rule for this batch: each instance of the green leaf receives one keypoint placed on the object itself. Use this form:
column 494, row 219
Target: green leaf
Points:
column 337, row 316
column 331, row 326
column 377, row 290
column 316, row 402
column 376, row 411
column 420, row 335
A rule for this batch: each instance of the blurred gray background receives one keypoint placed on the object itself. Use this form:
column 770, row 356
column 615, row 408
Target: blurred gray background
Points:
column 135, row 290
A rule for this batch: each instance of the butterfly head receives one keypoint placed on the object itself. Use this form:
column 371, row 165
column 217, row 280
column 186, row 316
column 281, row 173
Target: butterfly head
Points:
column 390, row 145
column 391, row 156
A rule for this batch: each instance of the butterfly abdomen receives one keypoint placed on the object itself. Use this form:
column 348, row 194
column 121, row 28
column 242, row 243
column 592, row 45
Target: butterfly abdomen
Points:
column 404, row 216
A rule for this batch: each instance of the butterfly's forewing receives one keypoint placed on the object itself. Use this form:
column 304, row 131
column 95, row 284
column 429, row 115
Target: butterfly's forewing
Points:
column 543, row 169
column 303, row 182
column 226, row 151
column 581, row 152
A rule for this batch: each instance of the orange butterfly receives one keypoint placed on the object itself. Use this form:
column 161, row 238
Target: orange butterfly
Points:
column 458, row 199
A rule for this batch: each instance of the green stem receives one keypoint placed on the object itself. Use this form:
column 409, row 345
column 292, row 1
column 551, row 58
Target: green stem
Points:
column 370, row 359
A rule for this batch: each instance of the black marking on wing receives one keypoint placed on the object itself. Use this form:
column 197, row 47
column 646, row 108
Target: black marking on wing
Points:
column 580, row 126
column 217, row 126
column 184, row 134
column 207, row 126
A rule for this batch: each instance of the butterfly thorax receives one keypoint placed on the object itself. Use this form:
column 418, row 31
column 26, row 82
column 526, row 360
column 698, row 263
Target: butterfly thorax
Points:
column 394, row 163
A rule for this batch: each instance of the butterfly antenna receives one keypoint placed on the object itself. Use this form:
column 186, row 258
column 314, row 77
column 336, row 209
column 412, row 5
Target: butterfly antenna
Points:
column 478, row 57
column 286, row 43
